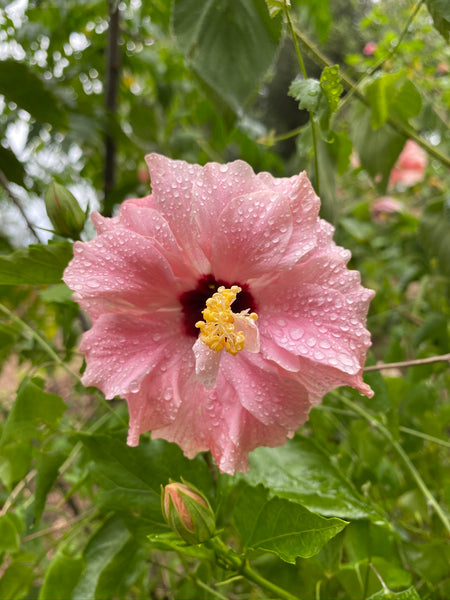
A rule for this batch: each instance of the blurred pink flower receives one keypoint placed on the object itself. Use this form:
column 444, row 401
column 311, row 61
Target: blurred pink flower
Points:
column 369, row 48
column 410, row 166
column 295, row 330
column 384, row 206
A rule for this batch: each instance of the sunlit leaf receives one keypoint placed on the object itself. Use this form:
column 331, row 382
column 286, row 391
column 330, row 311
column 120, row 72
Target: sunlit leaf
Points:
column 301, row 472
column 285, row 528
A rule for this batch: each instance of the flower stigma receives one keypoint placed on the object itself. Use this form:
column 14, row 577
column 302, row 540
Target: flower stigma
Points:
column 218, row 328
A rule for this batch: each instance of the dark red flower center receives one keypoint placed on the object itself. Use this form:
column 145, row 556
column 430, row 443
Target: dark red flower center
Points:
column 194, row 301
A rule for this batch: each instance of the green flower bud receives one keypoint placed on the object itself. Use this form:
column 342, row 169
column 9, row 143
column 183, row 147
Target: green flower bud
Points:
column 64, row 211
column 188, row 512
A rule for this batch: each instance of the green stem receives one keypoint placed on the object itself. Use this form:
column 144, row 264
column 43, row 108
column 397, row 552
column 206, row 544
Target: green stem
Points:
column 311, row 114
column 399, row 126
column 236, row 563
column 397, row 447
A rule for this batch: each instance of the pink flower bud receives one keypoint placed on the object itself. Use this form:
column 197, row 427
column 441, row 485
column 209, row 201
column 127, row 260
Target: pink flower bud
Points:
column 188, row 512
column 369, row 48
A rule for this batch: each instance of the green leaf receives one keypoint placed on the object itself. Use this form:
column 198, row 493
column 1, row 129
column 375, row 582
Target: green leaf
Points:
column 434, row 232
column 35, row 414
column 36, row 265
column 409, row 594
column 19, row 84
column 230, row 44
column 47, row 472
column 307, row 92
column 11, row 166
column 284, row 528
column 301, row 472
column 377, row 150
column 392, row 95
column 100, row 551
column 330, row 83
column 61, row 577
column 9, row 536
column 16, row 581
column 440, row 11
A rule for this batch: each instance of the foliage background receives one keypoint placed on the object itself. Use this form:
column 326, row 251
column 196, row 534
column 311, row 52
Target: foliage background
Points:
column 210, row 81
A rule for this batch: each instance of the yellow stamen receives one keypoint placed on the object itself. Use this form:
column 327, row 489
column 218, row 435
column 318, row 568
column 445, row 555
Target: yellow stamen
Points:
column 218, row 330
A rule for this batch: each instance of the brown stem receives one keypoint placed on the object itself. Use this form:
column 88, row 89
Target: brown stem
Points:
column 113, row 60
column 5, row 184
column 408, row 363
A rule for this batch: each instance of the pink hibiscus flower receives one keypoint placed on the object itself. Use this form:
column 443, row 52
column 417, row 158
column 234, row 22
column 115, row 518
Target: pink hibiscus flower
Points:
column 222, row 310
column 410, row 166
column 384, row 206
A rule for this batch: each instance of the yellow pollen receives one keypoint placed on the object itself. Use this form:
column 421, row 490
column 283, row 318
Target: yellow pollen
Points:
column 217, row 330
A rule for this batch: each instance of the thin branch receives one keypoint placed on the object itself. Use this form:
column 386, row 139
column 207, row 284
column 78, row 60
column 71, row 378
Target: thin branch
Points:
column 113, row 60
column 408, row 363
column 15, row 200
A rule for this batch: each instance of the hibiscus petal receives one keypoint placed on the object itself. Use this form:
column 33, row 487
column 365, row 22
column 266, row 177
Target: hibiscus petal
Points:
column 172, row 182
column 122, row 349
column 315, row 322
column 120, row 271
column 250, row 237
column 221, row 183
column 304, row 204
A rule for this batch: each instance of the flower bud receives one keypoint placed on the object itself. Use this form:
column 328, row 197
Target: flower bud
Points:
column 64, row 211
column 187, row 512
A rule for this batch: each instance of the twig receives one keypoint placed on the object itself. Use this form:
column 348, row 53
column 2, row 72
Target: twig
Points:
column 16, row 491
column 111, row 87
column 57, row 528
column 408, row 363
column 5, row 184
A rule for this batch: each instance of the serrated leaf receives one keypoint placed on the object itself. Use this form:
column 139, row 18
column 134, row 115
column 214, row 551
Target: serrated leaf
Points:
column 284, row 528
column 230, row 44
column 301, row 472
column 409, row 594
column 307, row 92
column 440, row 11
column 36, row 265
column 19, row 84
column 330, row 83
column 61, row 577
column 392, row 95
